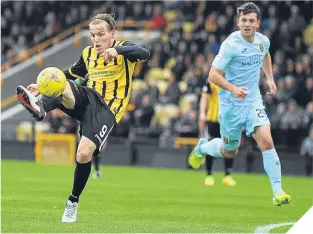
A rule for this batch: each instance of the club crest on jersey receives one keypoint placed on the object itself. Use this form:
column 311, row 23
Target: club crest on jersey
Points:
column 261, row 47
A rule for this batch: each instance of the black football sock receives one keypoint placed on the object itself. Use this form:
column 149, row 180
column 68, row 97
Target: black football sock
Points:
column 51, row 103
column 208, row 164
column 96, row 161
column 81, row 175
column 249, row 162
column 228, row 162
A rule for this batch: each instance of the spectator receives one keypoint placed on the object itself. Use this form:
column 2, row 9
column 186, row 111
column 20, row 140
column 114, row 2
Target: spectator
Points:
column 281, row 94
column 158, row 20
column 277, row 117
column 308, row 116
column 68, row 125
column 187, row 126
column 292, row 122
column 172, row 93
column 296, row 22
column 305, row 94
column 61, row 123
column 300, row 74
column 144, row 113
column 292, row 118
column 290, row 87
column 55, row 119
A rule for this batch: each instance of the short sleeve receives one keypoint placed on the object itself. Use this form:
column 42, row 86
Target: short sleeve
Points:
column 223, row 57
column 267, row 44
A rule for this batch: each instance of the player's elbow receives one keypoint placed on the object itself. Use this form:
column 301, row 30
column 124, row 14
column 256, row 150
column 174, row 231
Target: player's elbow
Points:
column 141, row 54
column 145, row 54
column 212, row 74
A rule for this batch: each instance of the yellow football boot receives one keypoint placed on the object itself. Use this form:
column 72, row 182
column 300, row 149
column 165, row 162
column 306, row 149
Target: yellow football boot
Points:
column 209, row 180
column 229, row 181
column 195, row 158
column 281, row 198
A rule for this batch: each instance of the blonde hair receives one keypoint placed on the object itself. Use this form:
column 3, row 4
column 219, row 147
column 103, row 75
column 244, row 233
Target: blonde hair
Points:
column 108, row 18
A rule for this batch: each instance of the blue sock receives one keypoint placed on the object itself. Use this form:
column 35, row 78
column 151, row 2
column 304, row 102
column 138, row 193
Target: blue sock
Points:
column 272, row 167
column 212, row 147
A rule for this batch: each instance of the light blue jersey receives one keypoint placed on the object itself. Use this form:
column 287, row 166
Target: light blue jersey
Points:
column 241, row 61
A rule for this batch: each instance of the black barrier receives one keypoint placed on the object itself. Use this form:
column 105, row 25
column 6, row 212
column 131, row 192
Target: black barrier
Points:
column 127, row 153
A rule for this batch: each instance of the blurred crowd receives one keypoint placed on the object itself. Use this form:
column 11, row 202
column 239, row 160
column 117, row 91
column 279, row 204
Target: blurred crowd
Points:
column 21, row 29
column 166, row 89
column 181, row 59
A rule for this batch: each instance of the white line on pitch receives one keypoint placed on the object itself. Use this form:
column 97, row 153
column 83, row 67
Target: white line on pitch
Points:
column 267, row 228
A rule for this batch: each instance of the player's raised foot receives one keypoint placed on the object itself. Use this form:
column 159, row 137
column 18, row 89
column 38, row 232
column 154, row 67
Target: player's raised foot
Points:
column 31, row 103
column 209, row 180
column 70, row 212
column 96, row 175
column 281, row 198
column 229, row 181
column 195, row 158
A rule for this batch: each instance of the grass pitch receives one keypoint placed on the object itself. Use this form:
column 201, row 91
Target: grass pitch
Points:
column 130, row 199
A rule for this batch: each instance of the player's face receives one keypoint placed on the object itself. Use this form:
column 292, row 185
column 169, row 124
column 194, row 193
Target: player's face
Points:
column 101, row 37
column 248, row 24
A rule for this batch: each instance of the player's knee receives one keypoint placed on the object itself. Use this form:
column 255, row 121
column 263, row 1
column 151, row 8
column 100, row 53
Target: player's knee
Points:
column 229, row 153
column 266, row 143
column 68, row 99
column 84, row 156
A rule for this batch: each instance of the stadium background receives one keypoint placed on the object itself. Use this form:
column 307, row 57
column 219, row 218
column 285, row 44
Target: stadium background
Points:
column 183, row 38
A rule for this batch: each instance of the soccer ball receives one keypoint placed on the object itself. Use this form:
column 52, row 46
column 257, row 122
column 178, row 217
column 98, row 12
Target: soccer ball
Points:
column 51, row 82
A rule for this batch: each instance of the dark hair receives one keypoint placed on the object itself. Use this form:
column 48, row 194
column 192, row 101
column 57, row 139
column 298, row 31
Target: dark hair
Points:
column 248, row 8
column 109, row 18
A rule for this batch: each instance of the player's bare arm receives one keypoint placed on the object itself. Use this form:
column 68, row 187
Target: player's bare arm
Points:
column 217, row 77
column 267, row 68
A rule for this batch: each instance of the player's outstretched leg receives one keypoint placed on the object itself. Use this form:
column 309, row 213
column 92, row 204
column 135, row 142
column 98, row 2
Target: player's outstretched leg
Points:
column 37, row 108
column 212, row 147
column 196, row 158
column 31, row 103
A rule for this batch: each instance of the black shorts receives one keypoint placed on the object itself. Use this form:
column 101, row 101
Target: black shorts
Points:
column 212, row 130
column 96, row 119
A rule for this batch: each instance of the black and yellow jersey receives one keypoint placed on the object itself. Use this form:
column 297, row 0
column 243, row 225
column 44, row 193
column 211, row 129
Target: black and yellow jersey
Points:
column 110, row 80
column 211, row 91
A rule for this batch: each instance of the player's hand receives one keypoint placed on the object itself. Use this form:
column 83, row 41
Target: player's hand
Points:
column 272, row 87
column 109, row 54
column 33, row 89
column 240, row 92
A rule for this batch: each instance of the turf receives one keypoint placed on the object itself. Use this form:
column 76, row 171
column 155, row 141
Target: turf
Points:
column 132, row 199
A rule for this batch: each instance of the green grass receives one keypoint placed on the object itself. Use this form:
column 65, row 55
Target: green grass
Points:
column 130, row 199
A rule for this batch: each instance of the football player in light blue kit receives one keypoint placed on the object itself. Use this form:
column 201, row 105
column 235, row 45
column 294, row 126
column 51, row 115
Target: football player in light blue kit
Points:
column 236, row 69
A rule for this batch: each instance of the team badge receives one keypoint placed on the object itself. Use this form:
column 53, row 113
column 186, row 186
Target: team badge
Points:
column 261, row 47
